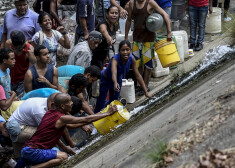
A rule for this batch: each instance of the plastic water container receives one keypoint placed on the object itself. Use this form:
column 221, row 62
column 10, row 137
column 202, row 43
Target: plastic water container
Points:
column 213, row 21
column 154, row 22
column 43, row 92
column 121, row 37
column 128, row 90
column 122, row 25
column 167, row 53
column 184, row 35
column 107, row 124
column 69, row 70
column 178, row 9
column 159, row 71
column 180, row 47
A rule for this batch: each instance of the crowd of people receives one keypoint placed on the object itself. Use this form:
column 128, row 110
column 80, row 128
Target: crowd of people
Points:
column 28, row 53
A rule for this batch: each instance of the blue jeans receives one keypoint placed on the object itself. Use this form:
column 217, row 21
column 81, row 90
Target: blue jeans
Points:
column 106, row 85
column 197, row 17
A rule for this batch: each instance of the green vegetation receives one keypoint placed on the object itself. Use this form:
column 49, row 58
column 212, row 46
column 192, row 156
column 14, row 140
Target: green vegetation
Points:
column 157, row 151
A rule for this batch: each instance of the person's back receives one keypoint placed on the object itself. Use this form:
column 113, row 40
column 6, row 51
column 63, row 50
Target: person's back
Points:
column 30, row 112
column 47, row 135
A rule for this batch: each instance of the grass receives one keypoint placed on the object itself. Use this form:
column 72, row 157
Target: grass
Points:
column 157, row 151
column 178, row 74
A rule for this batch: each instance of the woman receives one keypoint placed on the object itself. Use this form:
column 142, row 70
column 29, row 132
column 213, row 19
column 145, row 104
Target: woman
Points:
column 108, row 30
column 49, row 37
column 111, row 77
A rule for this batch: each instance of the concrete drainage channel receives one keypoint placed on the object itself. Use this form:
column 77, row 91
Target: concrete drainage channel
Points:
column 215, row 59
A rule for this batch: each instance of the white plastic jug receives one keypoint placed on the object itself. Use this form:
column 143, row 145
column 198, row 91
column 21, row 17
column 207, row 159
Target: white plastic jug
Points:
column 184, row 35
column 122, row 25
column 121, row 37
column 213, row 21
column 159, row 71
column 180, row 47
column 128, row 90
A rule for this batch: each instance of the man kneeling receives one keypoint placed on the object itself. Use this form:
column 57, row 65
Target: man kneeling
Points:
column 38, row 149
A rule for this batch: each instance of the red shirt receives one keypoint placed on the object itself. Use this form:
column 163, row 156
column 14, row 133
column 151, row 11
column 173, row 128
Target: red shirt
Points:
column 47, row 136
column 21, row 66
column 198, row 3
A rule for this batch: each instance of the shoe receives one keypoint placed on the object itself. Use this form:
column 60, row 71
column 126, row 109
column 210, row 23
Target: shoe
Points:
column 227, row 19
column 198, row 47
column 192, row 46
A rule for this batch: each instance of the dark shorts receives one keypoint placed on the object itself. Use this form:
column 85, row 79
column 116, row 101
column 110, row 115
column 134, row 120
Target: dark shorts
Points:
column 37, row 156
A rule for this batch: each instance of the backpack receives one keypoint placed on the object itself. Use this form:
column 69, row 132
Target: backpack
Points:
column 41, row 36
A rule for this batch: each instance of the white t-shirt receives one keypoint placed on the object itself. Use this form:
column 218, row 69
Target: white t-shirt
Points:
column 30, row 112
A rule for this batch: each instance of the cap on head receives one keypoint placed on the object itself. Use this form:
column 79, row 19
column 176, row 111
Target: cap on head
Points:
column 95, row 35
column 14, row 129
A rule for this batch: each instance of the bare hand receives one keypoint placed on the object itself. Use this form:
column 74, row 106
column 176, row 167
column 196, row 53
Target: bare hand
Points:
column 112, row 109
column 13, row 94
column 148, row 95
column 86, row 36
column 123, row 13
column 169, row 37
column 60, row 29
column 69, row 150
column 110, row 41
column 42, row 79
column 87, row 129
column 116, row 87
column 210, row 9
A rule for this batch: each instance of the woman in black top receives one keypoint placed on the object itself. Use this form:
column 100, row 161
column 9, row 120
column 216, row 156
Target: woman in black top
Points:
column 108, row 30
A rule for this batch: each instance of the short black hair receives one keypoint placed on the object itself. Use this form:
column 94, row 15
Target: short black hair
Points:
column 124, row 42
column 42, row 15
column 77, row 104
column 95, row 71
column 78, row 80
column 4, row 53
column 17, row 38
column 37, row 49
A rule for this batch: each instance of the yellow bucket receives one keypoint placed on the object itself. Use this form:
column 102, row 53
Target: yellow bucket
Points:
column 167, row 53
column 105, row 125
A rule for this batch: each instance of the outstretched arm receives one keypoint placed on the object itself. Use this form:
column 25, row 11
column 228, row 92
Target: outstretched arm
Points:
column 139, row 77
column 80, row 121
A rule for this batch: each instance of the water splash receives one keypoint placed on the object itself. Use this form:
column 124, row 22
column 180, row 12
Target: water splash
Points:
column 212, row 57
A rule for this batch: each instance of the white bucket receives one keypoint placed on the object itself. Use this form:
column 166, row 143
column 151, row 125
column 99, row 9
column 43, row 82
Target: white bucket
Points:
column 121, row 37
column 180, row 47
column 184, row 35
column 159, row 71
column 213, row 21
column 128, row 90
column 122, row 25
